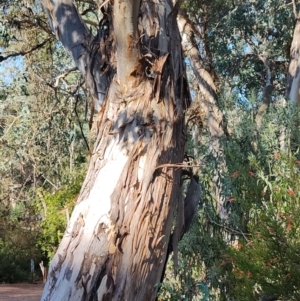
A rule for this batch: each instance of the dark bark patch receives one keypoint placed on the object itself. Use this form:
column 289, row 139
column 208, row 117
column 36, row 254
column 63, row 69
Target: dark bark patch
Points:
column 69, row 270
column 97, row 281
column 130, row 44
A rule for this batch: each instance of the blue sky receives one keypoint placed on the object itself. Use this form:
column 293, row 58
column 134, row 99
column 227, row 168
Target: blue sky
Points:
column 11, row 69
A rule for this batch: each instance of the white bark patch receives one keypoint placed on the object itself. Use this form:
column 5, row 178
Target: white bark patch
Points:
column 102, row 288
column 294, row 94
column 142, row 162
column 78, row 245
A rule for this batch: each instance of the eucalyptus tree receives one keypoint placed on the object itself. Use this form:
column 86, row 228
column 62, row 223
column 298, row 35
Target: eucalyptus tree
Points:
column 214, row 117
column 41, row 124
column 116, row 242
column 242, row 49
column 33, row 120
column 292, row 90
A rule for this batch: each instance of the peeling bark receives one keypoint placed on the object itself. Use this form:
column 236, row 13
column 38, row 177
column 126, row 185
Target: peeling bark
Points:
column 115, row 245
column 209, row 103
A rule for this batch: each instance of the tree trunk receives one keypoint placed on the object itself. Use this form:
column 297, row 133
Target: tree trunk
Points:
column 209, row 103
column 115, row 244
column 267, row 91
column 293, row 77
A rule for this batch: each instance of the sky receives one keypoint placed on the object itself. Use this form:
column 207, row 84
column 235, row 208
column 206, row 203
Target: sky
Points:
column 10, row 69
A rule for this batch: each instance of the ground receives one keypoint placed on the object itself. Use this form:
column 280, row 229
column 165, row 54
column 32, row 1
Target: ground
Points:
column 21, row 292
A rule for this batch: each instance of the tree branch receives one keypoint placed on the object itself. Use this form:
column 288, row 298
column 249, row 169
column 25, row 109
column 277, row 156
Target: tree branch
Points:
column 126, row 36
column 63, row 75
column 70, row 29
column 295, row 10
column 38, row 46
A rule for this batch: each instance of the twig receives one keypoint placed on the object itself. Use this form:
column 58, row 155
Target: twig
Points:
column 179, row 165
column 90, row 22
column 50, row 182
column 9, row 127
column 63, row 75
column 295, row 9
column 103, row 4
column 230, row 229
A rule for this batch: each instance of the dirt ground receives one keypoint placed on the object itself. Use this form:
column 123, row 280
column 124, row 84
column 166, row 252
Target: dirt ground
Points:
column 21, row 292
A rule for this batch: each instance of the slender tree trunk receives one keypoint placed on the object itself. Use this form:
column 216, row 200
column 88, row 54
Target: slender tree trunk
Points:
column 209, row 104
column 293, row 77
column 116, row 242
column 267, row 91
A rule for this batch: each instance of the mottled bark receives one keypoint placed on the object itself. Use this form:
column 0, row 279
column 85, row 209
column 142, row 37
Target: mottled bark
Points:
column 293, row 76
column 116, row 242
column 90, row 54
column 214, row 116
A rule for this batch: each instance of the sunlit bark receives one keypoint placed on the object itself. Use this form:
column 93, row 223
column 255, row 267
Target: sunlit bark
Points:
column 293, row 77
column 126, row 36
column 116, row 242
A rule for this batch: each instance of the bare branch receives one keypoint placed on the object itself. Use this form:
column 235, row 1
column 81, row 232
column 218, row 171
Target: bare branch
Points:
column 38, row 46
column 63, row 75
column 179, row 165
column 295, row 9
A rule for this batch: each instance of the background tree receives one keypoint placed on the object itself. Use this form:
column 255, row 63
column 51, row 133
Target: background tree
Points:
column 204, row 271
column 292, row 89
column 42, row 125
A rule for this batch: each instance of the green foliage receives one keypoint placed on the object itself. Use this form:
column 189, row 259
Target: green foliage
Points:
column 14, row 265
column 42, row 148
column 186, row 285
column 238, row 35
column 253, row 254
column 267, row 260
column 17, row 248
column 4, row 34
column 55, row 209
